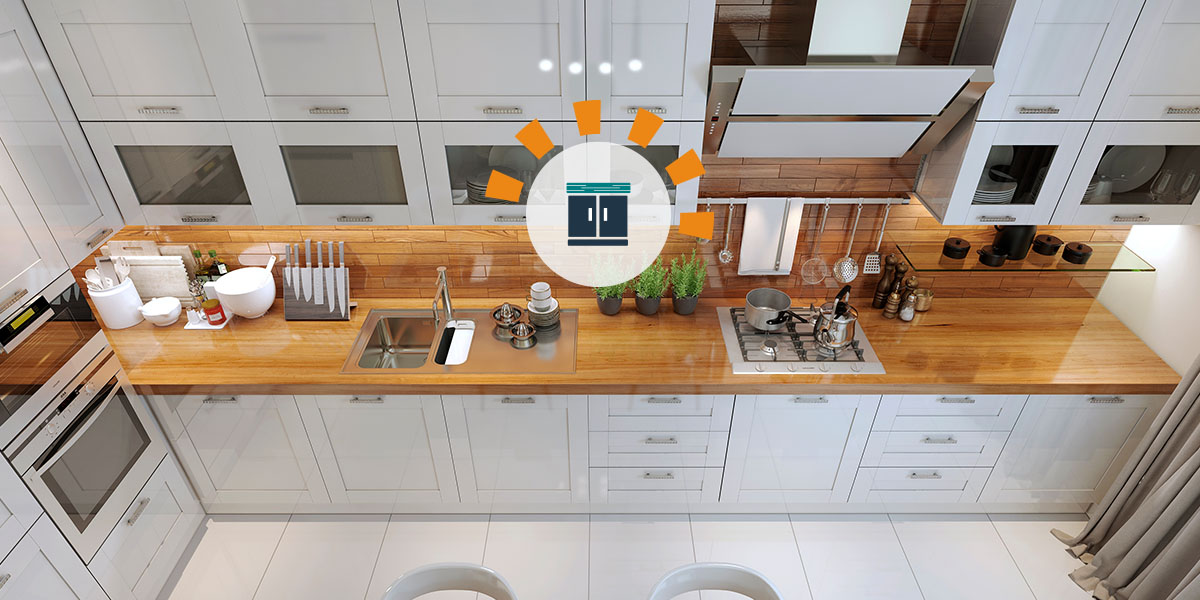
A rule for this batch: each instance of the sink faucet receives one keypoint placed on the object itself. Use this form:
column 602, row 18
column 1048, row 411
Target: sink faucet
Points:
column 443, row 292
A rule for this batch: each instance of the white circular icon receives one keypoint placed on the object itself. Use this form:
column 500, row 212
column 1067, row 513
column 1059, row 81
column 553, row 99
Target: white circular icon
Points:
column 598, row 214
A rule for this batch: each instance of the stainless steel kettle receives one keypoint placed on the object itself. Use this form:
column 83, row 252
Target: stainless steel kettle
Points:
column 834, row 327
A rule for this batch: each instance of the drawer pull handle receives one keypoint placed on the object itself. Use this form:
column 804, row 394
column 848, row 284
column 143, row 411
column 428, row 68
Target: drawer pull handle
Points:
column 1130, row 219
column 329, row 110
column 199, row 218
column 220, row 400
column 663, row 475
column 137, row 512
column 916, row 475
column 1038, row 110
column 1183, row 110
column 933, row 440
column 507, row 400
column 99, row 237
column 662, row 440
column 1000, row 219
column 663, row 401
column 502, row 110
column 159, row 110
column 507, row 219
column 810, row 400
column 366, row 400
column 964, row 400
column 4, row 579
column 658, row 110
column 13, row 299
column 1106, row 400
column 355, row 219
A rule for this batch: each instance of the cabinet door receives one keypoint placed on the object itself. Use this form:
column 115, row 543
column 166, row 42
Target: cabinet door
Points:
column 519, row 448
column 1157, row 79
column 651, row 55
column 483, row 60
column 187, row 173
column 348, row 173
column 1134, row 172
column 459, row 158
column 78, row 209
column 246, row 453
column 670, row 142
column 139, row 555
column 1057, row 58
column 381, row 451
column 785, row 449
column 18, row 508
column 31, row 259
column 43, row 566
column 1069, row 448
column 330, row 61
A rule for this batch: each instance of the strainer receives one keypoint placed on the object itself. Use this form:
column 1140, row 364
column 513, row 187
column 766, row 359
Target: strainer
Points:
column 814, row 270
column 845, row 269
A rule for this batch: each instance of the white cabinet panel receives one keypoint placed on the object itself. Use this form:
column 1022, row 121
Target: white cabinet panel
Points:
column 44, row 567
column 670, row 142
column 119, row 11
column 655, row 485
column 1073, row 47
column 519, row 448
column 381, row 450
column 140, row 554
column 139, row 59
column 1069, row 448
column 31, row 258
column 933, row 449
column 495, row 59
column 289, row 11
column 317, row 60
column 1156, row 80
column 795, row 448
column 917, row 485
column 18, row 508
column 948, row 413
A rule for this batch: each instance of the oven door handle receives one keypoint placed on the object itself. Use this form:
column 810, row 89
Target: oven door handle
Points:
column 76, row 430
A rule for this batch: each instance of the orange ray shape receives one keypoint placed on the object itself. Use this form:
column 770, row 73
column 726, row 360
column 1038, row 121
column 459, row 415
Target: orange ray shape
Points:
column 645, row 125
column 503, row 187
column 696, row 224
column 534, row 138
column 587, row 117
column 685, row 168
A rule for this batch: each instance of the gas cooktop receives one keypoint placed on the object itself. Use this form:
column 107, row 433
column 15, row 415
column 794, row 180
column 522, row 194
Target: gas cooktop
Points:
column 792, row 349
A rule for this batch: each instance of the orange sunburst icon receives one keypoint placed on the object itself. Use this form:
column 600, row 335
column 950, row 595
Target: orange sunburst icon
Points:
column 588, row 120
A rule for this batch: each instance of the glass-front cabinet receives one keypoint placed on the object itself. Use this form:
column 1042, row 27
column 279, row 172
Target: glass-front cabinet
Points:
column 348, row 174
column 1134, row 172
column 672, row 140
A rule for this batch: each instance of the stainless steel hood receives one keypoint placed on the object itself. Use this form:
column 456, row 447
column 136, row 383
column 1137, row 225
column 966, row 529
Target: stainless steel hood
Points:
column 845, row 86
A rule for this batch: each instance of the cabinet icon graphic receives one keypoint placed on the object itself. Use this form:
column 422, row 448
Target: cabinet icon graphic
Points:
column 598, row 214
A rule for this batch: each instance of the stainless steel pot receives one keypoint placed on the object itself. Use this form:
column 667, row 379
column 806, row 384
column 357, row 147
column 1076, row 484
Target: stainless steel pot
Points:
column 768, row 309
column 835, row 323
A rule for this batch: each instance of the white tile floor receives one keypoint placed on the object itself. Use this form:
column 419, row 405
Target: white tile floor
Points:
column 619, row 557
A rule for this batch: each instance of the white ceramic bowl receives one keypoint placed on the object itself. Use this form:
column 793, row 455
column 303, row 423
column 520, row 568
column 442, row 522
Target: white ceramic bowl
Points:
column 247, row 292
column 162, row 311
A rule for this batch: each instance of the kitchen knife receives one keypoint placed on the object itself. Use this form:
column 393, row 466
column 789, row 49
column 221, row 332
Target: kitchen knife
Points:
column 343, row 282
column 318, row 280
column 330, row 276
column 287, row 266
column 296, row 271
column 307, row 278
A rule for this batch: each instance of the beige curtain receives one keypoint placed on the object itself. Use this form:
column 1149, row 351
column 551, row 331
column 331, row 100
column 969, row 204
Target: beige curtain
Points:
column 1143, row 542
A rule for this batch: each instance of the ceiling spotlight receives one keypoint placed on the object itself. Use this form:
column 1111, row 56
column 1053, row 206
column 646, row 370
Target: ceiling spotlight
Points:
column 545, row 64
column 605, row 68
column 575, row 68
column 635, row 65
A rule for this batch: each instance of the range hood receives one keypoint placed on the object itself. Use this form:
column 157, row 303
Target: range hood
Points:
column 845, row 86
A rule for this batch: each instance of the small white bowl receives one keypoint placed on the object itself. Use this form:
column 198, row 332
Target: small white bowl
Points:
column 162, row 311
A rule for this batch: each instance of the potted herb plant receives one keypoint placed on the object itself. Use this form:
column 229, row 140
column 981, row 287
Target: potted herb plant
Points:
column 650, row 286
column 608, row 298
column 687, row 281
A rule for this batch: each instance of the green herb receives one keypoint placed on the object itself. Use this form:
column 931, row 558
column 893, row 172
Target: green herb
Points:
column 611, row 291
column 688, row 274
column 653, row 281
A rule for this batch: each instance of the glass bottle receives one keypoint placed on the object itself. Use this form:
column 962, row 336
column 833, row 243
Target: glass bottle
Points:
column 216, row 267
column 908, row 309
column 201, row 273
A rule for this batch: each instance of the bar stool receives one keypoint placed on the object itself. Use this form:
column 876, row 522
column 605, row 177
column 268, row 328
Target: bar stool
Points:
column 723, row 577
column 449, row 576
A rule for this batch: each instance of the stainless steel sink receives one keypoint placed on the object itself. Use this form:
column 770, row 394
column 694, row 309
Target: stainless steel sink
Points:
column 405, row 340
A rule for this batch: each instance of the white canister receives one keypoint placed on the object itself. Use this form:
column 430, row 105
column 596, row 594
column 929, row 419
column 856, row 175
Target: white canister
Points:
column 119, row 306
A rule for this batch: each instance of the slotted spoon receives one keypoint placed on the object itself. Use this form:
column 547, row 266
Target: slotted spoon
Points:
column 845, row 269
column 814, row 270
column 725, row 256
column 871, row 262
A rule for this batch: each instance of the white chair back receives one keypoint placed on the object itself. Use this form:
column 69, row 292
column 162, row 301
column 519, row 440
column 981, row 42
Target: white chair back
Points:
column 717, row 577
column 449, row 576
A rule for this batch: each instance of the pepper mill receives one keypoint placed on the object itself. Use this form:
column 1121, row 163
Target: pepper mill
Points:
column 885, row 282
column 893, row 306
column 910, row 286
column 898, row 279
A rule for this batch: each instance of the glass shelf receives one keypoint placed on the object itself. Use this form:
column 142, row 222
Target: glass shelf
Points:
column 1106, row 257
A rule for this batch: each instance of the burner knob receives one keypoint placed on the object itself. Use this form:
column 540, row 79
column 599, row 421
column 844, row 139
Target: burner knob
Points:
column 792, row 367
column 758, row 368
column 823, row 367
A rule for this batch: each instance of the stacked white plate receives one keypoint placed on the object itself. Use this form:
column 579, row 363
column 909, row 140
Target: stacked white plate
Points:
column 477, row 189
column 995, row 193
column 543, row 318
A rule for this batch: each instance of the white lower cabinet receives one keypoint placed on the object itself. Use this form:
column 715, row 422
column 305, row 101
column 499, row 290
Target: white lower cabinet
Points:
column 43, row 566
column 519, row 448
column 1069, row 448
column 18, row 509
column 795, row 448
column 381, row 451
column 139, row 555
column 648, row 485
column 908, row 485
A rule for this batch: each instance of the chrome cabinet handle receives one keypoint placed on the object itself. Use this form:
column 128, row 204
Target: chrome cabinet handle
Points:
column 15, row 298
column 329, row 110
column 810, row 400
column 1130, row 219
column 933, row 440
column 220, row 400
column 1038, row 110
column 663, row 401
column 671, row 440
column 366, row 400
column 4, row 579
column 663, row 475
column 137, row 512
column 159, row 110
column 99, row 237
column 1106, row 400
column 355, row 219
column 507, row 400
column 916, row 475
column 504, row 219
column 199, row 218
column 502, row 110
column 1001, row 219
column 1183, row 110
column 963, row 400
column 658, row 110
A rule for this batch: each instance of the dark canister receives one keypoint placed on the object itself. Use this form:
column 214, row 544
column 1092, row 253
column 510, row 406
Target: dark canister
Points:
column 991, row 256
column 1014, row 240
column 1046, row 244
column 1077, row 253
column 955, row 247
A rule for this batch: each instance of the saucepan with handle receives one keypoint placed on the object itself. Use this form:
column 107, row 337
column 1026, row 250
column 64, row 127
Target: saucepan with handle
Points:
column 768, row 309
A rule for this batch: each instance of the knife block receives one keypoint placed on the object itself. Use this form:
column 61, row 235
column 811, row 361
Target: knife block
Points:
column 300, row 302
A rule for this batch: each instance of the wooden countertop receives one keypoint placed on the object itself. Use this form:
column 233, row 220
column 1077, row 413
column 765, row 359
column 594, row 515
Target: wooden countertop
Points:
column 1018, row 346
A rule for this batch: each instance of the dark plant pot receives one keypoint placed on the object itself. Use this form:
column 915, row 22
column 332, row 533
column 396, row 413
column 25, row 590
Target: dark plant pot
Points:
column 647, row 306
column 609, row 306
column 685, row 305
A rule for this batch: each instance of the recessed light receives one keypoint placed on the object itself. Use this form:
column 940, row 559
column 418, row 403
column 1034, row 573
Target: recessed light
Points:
column 635, row 65
column 605, row 68
column 575, row 68
column 545, row 64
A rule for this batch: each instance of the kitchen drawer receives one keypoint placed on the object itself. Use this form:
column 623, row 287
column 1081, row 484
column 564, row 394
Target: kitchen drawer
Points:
column 663, row 405
column 331, row 108
column 500, row 108
column 933, row 449
column 948, row 413
column 918, row 484
column 625, row 108
column 658, row 449
column 1039, row 108
column 1153, row 108
column 690, row 485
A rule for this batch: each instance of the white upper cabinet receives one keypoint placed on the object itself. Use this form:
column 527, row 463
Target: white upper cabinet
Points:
column 1157, row 78
column 1134, row 172
column 1057, row 59
column 649, row 55
column 329, row 60
column 31, row 258
column 483, row 60
column 150, row 59
column 672, row 140
column 348, row 174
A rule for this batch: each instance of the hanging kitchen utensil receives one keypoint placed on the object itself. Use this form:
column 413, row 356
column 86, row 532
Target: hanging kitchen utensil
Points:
column 845, row 269
column 814, row 270
column 707, row 208
column 872, row 263
column 725, row 256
